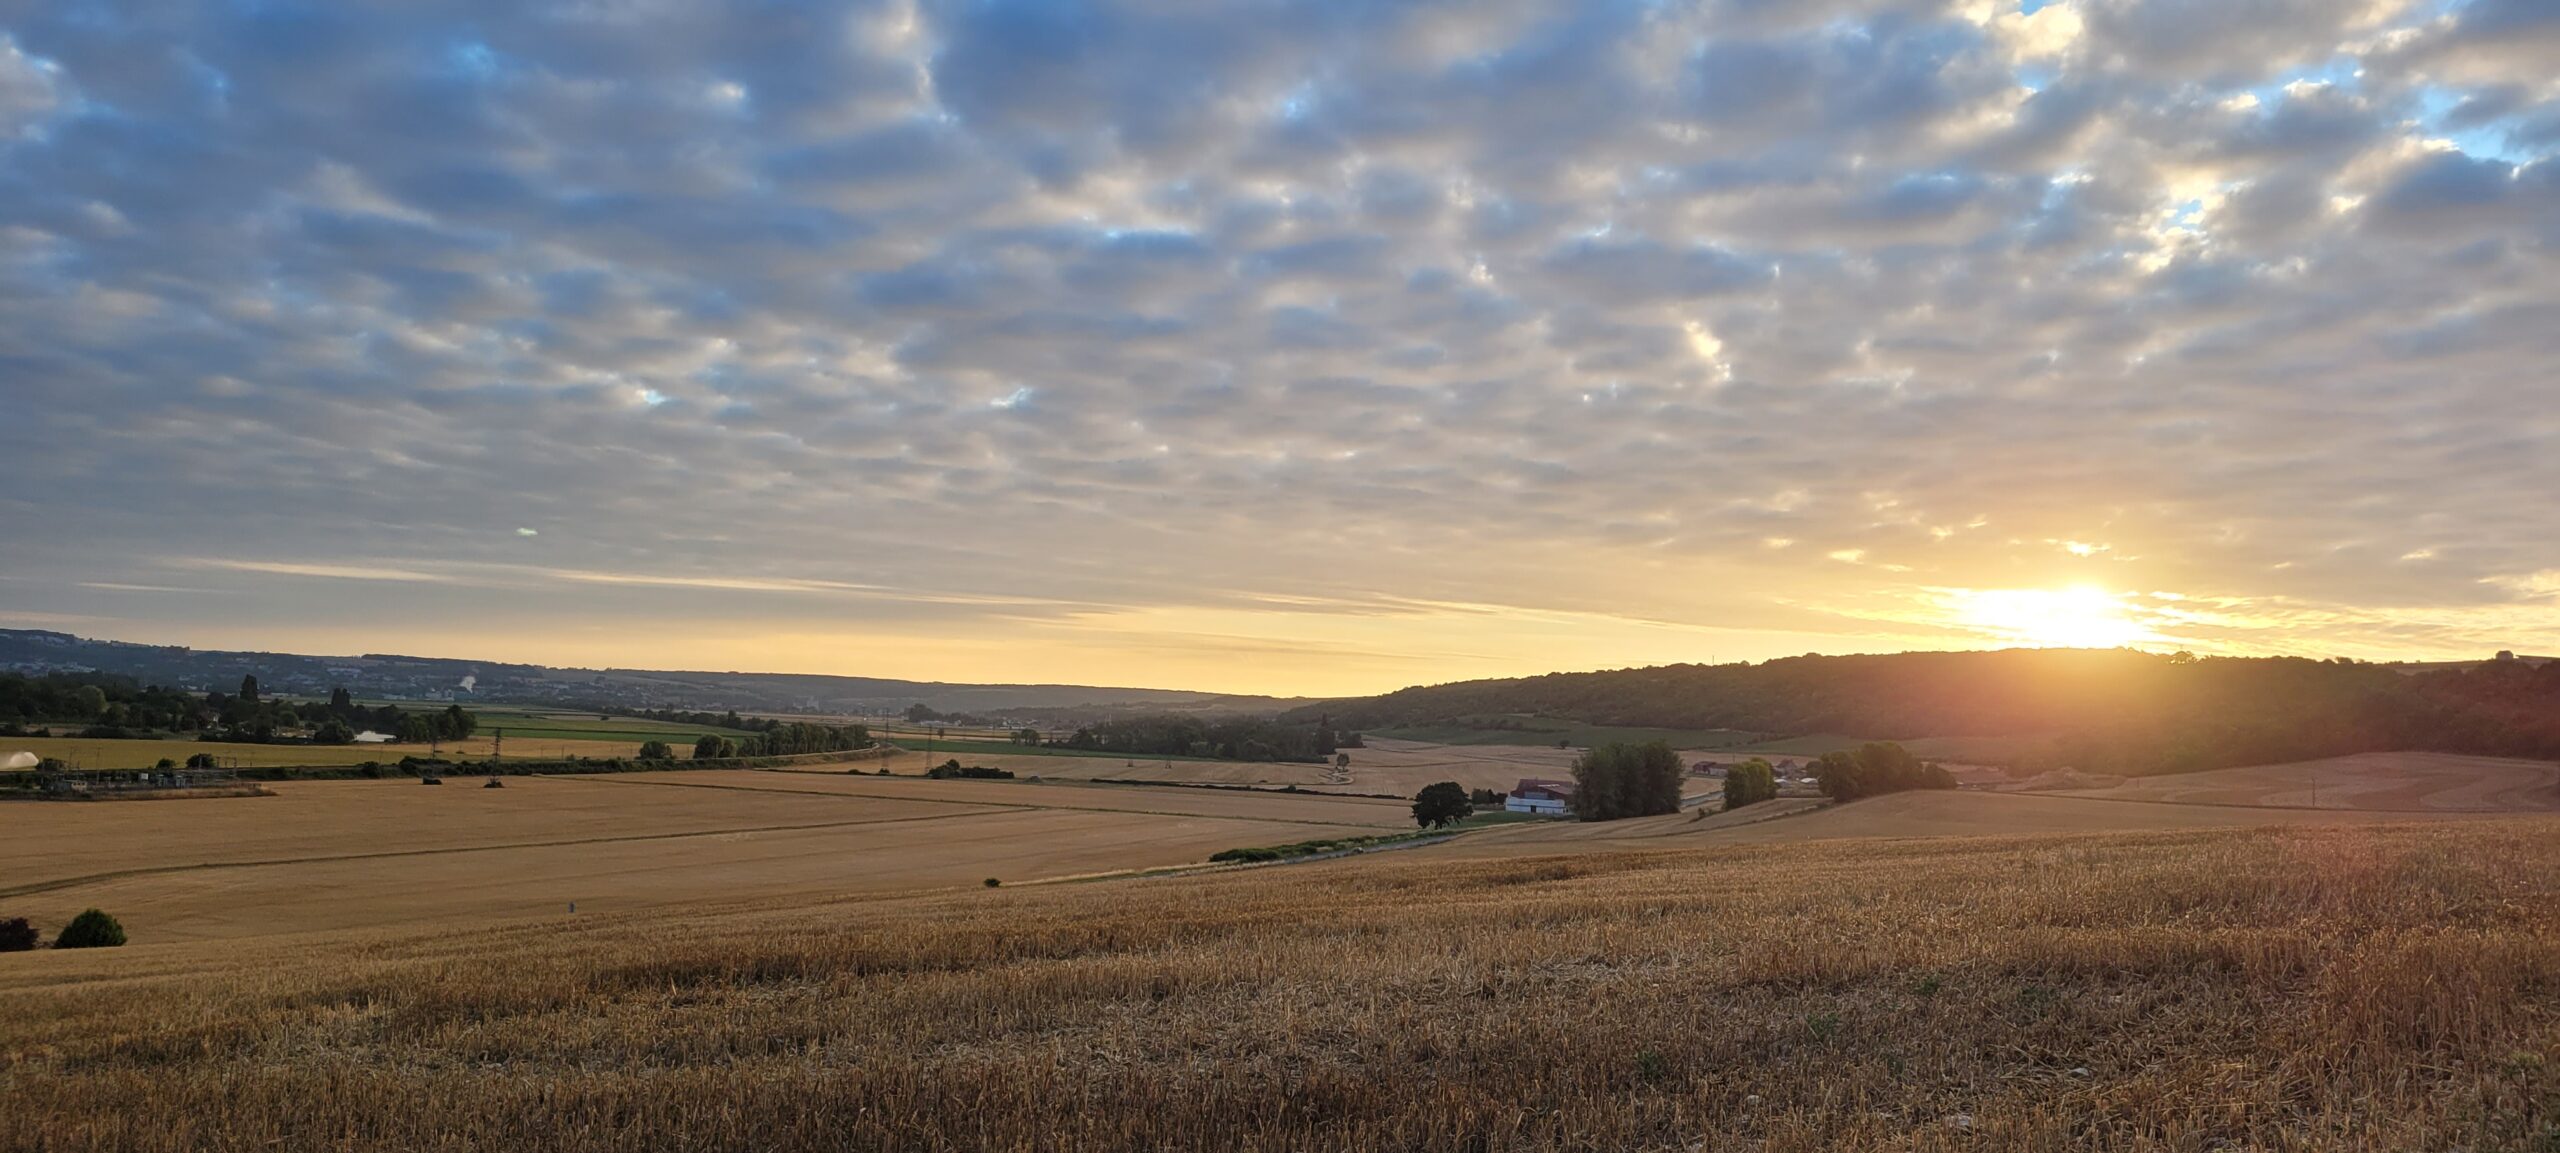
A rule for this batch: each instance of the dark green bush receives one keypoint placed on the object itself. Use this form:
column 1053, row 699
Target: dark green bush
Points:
column 16, row 935
column 92, row 929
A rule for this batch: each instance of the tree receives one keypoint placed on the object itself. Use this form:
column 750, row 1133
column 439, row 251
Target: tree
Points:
column 1027, row 736
column 1749, row 783
column 1484, row 798
column 333, row 732
column 1619, row 780
column 200, row 761
column 713, row 746
column 92, row 929
column 1874, row 769
column 249, row 688
column 656, row 751
column 1442, row 805
column 17, row 935
column 341, row 701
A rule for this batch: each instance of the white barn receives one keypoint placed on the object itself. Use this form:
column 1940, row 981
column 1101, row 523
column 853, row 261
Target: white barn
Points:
column 1531, row 795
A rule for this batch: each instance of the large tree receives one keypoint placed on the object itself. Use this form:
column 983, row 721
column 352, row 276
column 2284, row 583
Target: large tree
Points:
column 1442, row 805
column 1749, row 783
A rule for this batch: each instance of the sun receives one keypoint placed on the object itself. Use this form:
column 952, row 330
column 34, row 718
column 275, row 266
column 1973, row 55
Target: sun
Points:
column 2079, row 617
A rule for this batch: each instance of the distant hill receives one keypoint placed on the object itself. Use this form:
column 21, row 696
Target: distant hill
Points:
column 378, row 675
column 2114, row 710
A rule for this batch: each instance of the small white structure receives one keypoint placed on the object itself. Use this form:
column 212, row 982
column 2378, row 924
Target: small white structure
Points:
column 18, row 761
column 1531, row 795
column 370, row 737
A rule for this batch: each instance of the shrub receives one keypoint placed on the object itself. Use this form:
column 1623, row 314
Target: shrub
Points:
column 17, row 935
column 165, row 764
column 200, row 761
column 656, row 751
column 993, row 883
column 712, row 746
column 92, row 929
column 1749, row 783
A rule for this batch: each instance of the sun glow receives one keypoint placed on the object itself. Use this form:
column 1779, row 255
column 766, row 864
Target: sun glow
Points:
column 2080, row 617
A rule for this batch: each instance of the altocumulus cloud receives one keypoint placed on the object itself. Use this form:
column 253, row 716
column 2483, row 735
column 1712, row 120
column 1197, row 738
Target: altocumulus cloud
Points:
column 1218, row 306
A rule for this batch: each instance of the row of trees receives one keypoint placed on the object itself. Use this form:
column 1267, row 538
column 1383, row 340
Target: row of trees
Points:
column 110, row 706
column 784, row 740
column 1226, row 738
column 1874, row 769
column 1620, row 779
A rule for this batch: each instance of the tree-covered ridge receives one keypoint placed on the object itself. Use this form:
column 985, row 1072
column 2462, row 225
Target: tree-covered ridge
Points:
column 2105, row 710
column 107, row 705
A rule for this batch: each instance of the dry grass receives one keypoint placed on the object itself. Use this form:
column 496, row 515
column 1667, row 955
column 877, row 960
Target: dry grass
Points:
column 2345, row 987
column 2382, row 782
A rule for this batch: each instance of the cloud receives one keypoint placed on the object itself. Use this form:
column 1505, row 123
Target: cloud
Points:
column 953, row 309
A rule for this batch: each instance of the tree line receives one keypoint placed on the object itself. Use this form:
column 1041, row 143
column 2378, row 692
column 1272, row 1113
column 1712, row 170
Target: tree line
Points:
column 110, row 707
column 1225, row 738
column 2116, row 711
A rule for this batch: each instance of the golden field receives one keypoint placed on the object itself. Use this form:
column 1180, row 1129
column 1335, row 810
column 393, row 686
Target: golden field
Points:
column 322, row 855
column 2355, row 986
column 89, row 753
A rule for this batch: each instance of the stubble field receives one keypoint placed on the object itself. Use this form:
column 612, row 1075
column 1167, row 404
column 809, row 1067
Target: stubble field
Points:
column 326, row 855
column 2336, row 987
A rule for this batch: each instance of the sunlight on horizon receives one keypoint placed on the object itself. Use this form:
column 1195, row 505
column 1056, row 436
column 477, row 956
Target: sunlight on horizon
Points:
column 2077, row 617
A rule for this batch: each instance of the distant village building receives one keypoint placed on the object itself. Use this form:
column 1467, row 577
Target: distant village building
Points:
column 1531, row 795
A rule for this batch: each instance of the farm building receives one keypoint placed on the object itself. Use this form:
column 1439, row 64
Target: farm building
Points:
column 106, row 782
column 1532, row 795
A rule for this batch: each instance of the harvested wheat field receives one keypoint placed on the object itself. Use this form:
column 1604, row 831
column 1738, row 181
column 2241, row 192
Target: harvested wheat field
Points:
column 2381, row 782
column 2340, row 987
column 323, row 855
column 1912, row 814
column 93, row 753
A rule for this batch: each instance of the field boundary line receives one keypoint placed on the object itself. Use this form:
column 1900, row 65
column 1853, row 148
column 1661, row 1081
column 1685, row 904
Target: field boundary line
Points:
column 601, row 778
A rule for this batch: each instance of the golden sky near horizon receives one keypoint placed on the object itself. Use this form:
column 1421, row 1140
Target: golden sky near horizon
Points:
column 1211, row 347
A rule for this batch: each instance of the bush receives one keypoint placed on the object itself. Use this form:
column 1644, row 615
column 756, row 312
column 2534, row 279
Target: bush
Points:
column 953, row 770
column 1749, row 783
column 993, row 883
column 713, row 747
column 200, row 761
column 92, row 929
column 656, row 751
column 17, row 935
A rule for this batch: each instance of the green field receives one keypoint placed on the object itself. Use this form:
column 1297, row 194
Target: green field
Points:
column 544, row 724
column 1967, row 750
column 981, row 746
column 1548, row 730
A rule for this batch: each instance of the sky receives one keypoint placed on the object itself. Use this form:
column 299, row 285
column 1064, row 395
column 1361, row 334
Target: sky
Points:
column 1280, row 347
